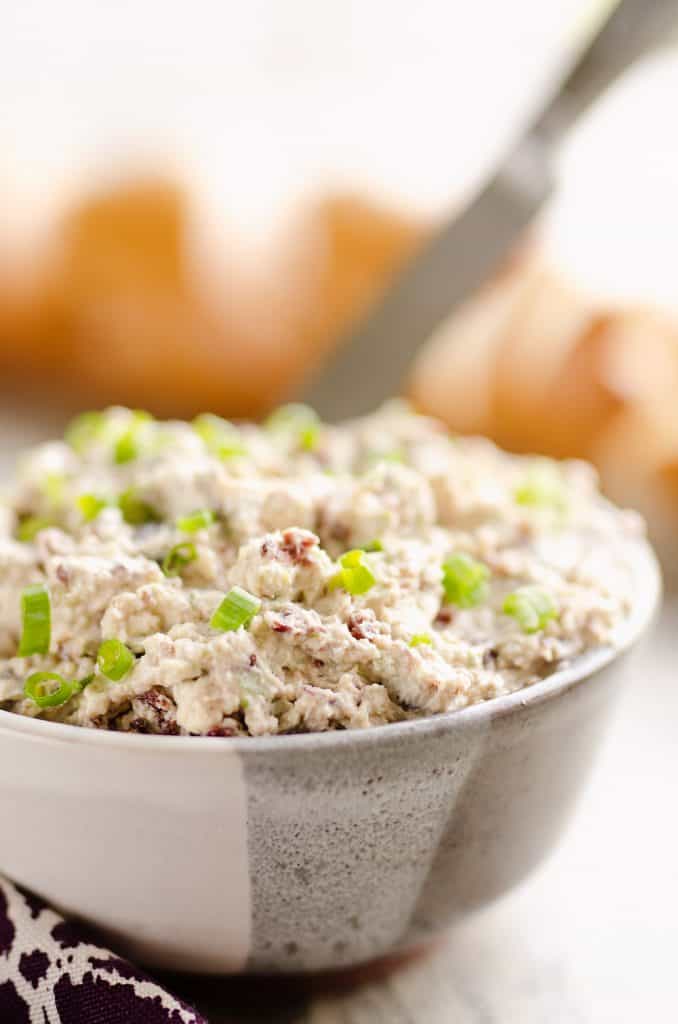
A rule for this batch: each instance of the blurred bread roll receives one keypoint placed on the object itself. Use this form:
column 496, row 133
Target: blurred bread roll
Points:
column 454, row 376
column 540, row 366
column 119, row 304
column 581, row 358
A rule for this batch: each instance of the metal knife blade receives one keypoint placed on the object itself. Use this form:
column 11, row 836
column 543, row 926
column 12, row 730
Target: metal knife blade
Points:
column 370, row 364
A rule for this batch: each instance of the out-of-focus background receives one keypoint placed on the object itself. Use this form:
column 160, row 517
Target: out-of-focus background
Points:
column 197, row 200
column 209, row 202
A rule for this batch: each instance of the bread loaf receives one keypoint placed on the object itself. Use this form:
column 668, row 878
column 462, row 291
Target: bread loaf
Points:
column 120, row 305
column 538, row 365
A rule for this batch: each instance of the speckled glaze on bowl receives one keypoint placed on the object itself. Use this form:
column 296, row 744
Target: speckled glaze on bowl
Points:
column 304, row 852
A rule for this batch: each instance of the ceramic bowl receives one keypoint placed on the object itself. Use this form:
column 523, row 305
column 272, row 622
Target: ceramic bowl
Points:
column 304, row 852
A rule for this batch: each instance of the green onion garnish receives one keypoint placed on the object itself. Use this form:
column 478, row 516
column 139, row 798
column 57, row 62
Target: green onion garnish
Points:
column 90, row 506
column 296, row 420
column 230, row 451
column 126, row 448
column 309, row 437
column 53, row 488
column 29, row 527
column 219, row 436
column 374, row 458
column 37, row 690
column 178, row 557
column 237, row 609
column 128, row 445
column 134, row 510
column 532, row 607
column 352, row 559
column 464, row 581
column 199, row 520
column 84, row 429
column 36, row 621
column 543, row 486
column 114, row 660
column 210, row 428
column 374, row 545
column 355, row 576
column 420, row 638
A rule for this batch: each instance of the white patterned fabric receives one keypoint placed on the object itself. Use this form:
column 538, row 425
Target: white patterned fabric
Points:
column 52, row 972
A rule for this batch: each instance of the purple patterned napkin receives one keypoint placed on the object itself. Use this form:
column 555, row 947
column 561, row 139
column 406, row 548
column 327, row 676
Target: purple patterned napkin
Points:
column 52, row 973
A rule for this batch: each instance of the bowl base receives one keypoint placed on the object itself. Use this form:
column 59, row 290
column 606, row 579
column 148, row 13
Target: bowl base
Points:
column 262, row 996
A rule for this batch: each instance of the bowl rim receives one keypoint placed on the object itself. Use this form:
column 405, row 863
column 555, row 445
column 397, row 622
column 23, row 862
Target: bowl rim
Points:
column 645, row 568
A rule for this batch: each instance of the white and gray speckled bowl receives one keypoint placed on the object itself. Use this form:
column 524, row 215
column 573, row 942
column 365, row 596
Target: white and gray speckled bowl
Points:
column 303, row 852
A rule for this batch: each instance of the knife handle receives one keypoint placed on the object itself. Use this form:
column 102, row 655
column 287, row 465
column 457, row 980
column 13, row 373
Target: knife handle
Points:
column 633, row 28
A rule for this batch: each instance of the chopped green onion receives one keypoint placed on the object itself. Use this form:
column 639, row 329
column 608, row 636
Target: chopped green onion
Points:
column 355, row 576
column 199, row 520
column 84, row 429
column 211, row 428
column 352, row 559
column 90, row 427
column 464, row 580
column 49, row 697
column 220, row 437
column 309, row 437
column 114, row 660
column 543, row 486
column 53, row 488
column 230, row 451
column 420, row 638
column 291, row 416
column 374, row 545
column 129, row 444
column 237, row 609
column 178, row 557
column 374, row 458
column 297, row 420
column 134, row 510
column 29, row 527
column 532, row 607
column 90, row 506
column 126, row 448
column 36, row 621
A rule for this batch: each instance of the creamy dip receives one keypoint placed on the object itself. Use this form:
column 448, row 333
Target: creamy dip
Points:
column 294, row 576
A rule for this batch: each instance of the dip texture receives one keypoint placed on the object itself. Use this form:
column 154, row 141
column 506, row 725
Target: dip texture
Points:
column 294, row 576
